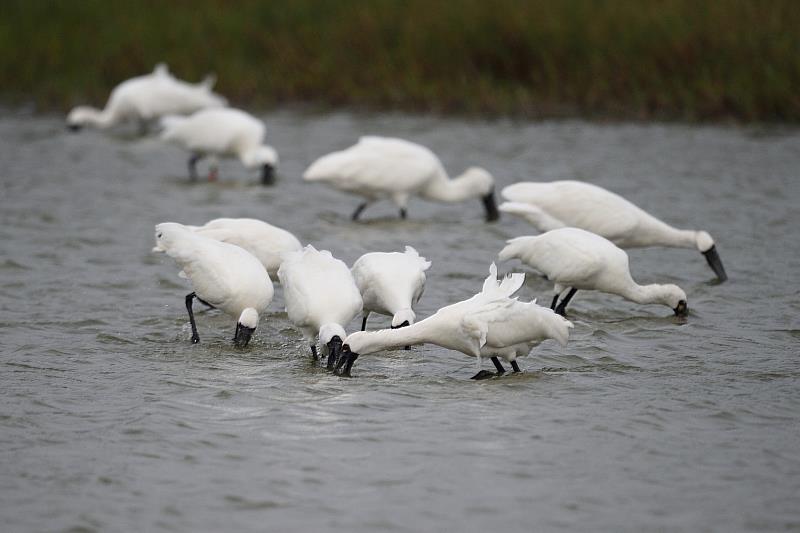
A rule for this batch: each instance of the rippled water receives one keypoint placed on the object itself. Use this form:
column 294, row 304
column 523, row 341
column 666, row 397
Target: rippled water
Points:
column 113, row 421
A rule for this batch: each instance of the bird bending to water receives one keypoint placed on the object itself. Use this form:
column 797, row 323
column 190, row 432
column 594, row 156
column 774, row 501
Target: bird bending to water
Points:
column 265, row 241
column 147, row 98
column 379, row 168
column 576, row 259
column 321, row 298
column 222, row 132
column 390, row 284
column 582, row 205
column 490, row 324
column 223, row 276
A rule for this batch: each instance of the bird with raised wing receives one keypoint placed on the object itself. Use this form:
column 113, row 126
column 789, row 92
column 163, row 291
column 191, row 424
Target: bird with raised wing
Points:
column 490, row 324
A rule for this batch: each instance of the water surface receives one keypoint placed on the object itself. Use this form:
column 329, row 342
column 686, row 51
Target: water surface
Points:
column 111, row 420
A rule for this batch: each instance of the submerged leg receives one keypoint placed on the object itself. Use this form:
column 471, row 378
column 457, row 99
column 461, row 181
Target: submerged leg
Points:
column 498, row 366
column 403, row 213
column 554, row 302
column 562, row 307
column 193, row 159
column 314, row 352
column 364, row 322
column 515, row 366
column 195, row 336
column 359, row 210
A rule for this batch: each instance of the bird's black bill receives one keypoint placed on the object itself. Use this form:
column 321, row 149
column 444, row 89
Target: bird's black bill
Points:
column 334, row 351
column 712, row 256
column 682, row 309
column 345, row 363
column 268, row 175
column 242, row 336
column 403, row 325
column 492, row 214
column 74, row 127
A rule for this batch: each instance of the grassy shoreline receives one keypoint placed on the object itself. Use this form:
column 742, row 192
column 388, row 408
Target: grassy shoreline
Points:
column 667, row 59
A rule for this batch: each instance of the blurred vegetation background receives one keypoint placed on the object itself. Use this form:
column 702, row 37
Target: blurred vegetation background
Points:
column 649, row 59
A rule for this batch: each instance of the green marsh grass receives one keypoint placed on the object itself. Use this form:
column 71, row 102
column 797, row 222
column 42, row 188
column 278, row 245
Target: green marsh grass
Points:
column 662, row 59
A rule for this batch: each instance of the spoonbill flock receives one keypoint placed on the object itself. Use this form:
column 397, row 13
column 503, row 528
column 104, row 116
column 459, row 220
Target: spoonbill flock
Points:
column 232, row 263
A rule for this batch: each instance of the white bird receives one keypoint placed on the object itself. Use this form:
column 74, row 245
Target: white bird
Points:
column 222, row 132
column 576, row 259
column 321, row 298
column 582, row 205
column 147, row 98
column 379, row 168
column 390, row 284
column 223, row 276
column 265, row 241
column 490, row 324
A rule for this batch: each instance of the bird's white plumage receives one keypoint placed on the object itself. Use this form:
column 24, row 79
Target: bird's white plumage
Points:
column 321, row 296
column 391, row 283
column 147, row 98
column 223, row 132
column 224, row 275
column 265, row 241
column 575, row 258
column 491, row 323
column 388, row 168
column 577, row 204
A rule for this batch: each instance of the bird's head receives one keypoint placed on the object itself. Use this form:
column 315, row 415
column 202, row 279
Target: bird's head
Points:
column 264, row 157
column 482, row 183
column 402, row 318
column 80, row 117
column 167, row 233
column 673, row 296
column 247, row 324
column 705, row 244
column 330, row 336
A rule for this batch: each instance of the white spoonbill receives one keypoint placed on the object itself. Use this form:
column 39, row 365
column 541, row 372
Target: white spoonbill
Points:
column 390, row 284
column 490, row 324
column 222, row 132
column 582, row 205
column 223, row 276
column 147, row 98
column 379, row 168
column 576, row 259
column 321, row 298
column 265, row 241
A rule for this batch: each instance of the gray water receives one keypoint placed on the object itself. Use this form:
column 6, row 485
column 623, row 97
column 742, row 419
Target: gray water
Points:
column 111, row 420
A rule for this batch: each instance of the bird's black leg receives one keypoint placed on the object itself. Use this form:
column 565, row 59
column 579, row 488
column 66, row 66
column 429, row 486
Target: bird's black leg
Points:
column 555, row 300
column 314, row 352
column 562, row 307
column 359, row 210
column 403, row 213
column 498, row 366
column 204, row 302
column 515, row 366
column 193, row 159
column 195, row 336
column 364, row 322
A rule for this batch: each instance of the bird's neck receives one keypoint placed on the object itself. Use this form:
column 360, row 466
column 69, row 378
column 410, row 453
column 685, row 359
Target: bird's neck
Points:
column 443, row 189
column 376, row 341
column 646, row 294
column 665, row 235
column 101, row 119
